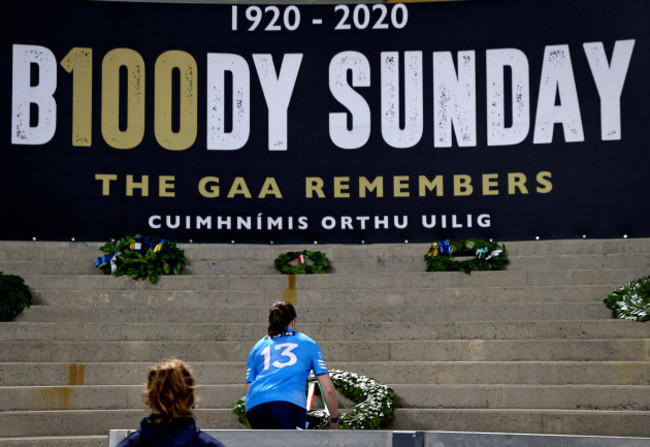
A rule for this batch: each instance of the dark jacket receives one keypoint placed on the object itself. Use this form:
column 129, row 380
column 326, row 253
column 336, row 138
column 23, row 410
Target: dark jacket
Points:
column 181, row 432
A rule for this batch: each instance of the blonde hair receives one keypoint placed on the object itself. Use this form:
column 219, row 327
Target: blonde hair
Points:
column 170, row 389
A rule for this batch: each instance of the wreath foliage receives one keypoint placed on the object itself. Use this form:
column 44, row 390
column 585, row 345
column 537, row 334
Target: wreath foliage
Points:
column 374, row 409
column 141, row 257
column 632, row 301
column 14, row 296
column 318, row 262
column 485, row 255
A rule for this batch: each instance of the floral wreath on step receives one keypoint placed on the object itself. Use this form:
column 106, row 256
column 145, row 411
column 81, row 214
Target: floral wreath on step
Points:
column 485, row 255
column 306, row 262
column 374, row 409
column 632, row 301
column 141, row 257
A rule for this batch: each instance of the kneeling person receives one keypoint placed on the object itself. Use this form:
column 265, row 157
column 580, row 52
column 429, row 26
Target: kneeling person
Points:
column 277, row 372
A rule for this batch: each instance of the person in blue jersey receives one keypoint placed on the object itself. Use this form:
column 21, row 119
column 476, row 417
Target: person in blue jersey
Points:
column 277, row 372
column 170, row 395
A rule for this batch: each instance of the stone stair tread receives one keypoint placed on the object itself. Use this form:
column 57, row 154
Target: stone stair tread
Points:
column 64, row 249
column 377, row 330
column 566, row 422
column 16, row 424
column 407, row 297
column 340, row 280
column 315, row 313
column 453, row 349
column 403, row 264
column 519, row 396
column 96, row 422
column 56, row 441
column 511, row 396
column 103, row 397
column 587, row 372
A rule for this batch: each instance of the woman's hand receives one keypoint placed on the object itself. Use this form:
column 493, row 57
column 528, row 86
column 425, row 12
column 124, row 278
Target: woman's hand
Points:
column 331, row 399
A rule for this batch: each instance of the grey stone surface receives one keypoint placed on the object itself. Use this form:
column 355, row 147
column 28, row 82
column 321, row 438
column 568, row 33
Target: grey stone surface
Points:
column 531, row 349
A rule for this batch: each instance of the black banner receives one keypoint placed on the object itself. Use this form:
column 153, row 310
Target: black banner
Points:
column 330, row 123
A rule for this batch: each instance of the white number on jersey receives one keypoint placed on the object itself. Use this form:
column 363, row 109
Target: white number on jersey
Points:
column 288, row 347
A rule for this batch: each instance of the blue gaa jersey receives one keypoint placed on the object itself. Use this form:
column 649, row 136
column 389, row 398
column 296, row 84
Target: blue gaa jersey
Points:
column 278, row 368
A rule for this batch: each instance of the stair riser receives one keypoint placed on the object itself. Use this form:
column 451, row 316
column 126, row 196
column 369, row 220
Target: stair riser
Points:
column 451, row 350
column 602, row 423
column 406, row 264
column 407, row 396
column 471, row 373
column 358, row 331
column 433, row 280
column 83, row 251
column 78, row 441
column 523, row 396
column 325, row 314
column 193, row 299
column 98, row 422
column 104, row 397
column 633, row 424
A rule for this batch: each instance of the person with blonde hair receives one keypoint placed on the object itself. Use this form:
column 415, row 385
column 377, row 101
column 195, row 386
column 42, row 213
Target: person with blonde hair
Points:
column 170, row 396
column 276, row 377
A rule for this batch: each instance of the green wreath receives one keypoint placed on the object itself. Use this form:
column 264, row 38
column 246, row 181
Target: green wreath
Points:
column 318, row 262
column 374, row 409
column 141, row 257
column 15, row 296
column 632, row 301
column 485, row 255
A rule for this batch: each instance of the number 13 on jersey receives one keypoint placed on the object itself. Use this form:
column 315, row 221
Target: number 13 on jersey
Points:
column 286, row 349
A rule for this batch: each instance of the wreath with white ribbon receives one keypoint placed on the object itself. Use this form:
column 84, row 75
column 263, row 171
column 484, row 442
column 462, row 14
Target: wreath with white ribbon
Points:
column 374, row 409
column 296, row 262
column 483, row 255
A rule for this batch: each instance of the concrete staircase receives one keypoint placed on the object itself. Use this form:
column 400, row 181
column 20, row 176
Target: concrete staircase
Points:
column 531, row 349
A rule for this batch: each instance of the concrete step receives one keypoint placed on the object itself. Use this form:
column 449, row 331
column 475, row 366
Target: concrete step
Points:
column 611, row 329
column 15, row 424
column 339, row 281
column 56, row 441
column 20, row 250
column 335, row 351
column 324, row 314
column 414, row 296
column 585, row 422
column 569, row 397
column 580, row 246
column 588, row 372
column 569, row 422
column 576, row 397
column 613, row 261
column 104, row 397
column 411, row 263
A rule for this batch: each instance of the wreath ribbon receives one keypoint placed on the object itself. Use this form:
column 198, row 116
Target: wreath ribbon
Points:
column 320, row 262
column 487, row 255
column 139, row 244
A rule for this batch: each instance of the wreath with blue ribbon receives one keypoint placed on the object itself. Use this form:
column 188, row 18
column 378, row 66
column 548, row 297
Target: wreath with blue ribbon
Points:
column 483, row 255
column 141, row 257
